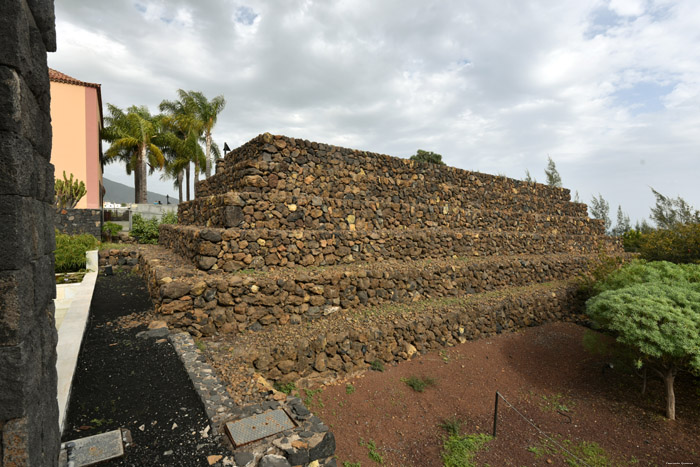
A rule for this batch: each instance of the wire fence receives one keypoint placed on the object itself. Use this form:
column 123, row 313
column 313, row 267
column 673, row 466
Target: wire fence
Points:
column 529, row 421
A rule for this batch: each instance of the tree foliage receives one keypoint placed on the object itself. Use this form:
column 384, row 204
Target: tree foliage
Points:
column 678, row 244
column 669, row 212
column 600, row 209
column 653, row 309
column 427, row 156
column 135, row 138
column 553, row 177
column 623, row 223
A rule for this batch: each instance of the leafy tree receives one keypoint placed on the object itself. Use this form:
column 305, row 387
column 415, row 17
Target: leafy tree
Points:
column 623, row 223
column 599, row 209
column 427, row 156
column 653, row 309
column 680, row 244
column 528, row 177
column 553, row 177
column 668, row 212
column 643, row 226
column 136, row 138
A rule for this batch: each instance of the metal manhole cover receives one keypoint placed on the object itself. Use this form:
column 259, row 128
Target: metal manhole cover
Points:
column 258, row 427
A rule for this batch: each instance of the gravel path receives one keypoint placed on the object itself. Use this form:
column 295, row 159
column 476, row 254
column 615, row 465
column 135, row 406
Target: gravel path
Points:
column 136, row 382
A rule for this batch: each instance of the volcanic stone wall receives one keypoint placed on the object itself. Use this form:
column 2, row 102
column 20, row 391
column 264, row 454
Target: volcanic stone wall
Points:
column 79, row 221
column 29, row 433
column 290, row 231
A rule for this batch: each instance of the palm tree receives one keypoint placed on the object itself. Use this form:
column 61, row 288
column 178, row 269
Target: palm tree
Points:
column 208, row 112
column 182, row 148
column 135, row 138
column 183, row 119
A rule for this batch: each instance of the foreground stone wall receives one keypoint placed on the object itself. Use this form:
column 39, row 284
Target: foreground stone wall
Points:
column 207, row 304
column 79, row 221
column 29, row 433
column 238, row 249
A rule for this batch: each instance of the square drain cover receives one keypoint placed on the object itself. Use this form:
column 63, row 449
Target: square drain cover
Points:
column 259, row 426
column 95, row 449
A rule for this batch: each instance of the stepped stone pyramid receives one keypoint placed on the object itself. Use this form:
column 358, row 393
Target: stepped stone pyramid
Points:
column 290, row 231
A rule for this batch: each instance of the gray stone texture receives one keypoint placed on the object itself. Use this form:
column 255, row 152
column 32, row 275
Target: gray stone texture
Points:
column 79, row 221
column 29, row 433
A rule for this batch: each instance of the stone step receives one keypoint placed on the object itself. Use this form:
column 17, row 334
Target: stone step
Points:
column 262, row 249
column 276, row 162
column 353, row 340
column 207, row 303
column 283, row 211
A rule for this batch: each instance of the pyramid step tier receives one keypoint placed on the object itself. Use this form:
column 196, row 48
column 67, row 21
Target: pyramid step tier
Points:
column 351, row 341
column 215, row 301
column 277, row 162
column 261, row 249
column 284, row 211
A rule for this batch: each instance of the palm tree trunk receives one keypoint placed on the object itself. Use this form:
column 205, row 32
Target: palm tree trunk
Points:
column 208, row 148
column 187, row 178
column 180, row 175
column 142, row 195
column 196, row 177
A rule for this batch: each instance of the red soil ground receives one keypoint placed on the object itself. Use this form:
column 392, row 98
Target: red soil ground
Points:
column 545, row 372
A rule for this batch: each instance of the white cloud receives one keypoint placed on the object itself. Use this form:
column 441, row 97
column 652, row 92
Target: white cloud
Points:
column 494, row 86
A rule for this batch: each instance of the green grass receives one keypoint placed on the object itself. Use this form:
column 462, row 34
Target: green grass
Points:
column 286, row 388
column 460, row 450
column 419, row 384
column 377, row 365
column 556, row 402
column 349, row 388
column 312, row 397
column 584, row 453
column 372, row 452
column 452, row 425
column 351, row 464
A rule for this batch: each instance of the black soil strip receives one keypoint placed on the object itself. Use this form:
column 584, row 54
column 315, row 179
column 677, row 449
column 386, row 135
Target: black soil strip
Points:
column 125, row 381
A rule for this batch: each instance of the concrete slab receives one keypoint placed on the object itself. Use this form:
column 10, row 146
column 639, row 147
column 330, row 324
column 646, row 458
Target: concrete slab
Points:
column 72, row 308
column 92, row 449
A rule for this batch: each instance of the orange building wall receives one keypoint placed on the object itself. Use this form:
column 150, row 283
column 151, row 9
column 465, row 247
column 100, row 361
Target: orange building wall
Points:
column 75, row 118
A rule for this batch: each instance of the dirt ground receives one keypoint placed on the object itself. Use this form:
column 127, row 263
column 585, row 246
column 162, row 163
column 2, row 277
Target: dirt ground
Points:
column 545, row 373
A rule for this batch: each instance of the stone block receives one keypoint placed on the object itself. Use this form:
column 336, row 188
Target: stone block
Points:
column 16, row 304
column 45, row 19
column 28, row 51
column 44, row 285
column 21, row 222
column 21, row 113
column 12, row 385
column 22, row 171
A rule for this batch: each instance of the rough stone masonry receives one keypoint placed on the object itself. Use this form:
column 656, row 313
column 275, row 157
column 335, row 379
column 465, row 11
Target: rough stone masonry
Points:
column 29, row 433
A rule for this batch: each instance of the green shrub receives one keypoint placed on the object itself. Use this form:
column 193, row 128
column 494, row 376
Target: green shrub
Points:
column 680, row 244
column 145, row 229
column 377, row 365
column 110, row 229
column 631, row 240
column 419, row 384
column 169, row 218
column 70, row 251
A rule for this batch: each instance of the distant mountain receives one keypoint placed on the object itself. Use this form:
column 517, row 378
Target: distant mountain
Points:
column 116, row 192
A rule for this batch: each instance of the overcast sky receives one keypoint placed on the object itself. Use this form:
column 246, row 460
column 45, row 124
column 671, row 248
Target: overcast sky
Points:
column 609, row 89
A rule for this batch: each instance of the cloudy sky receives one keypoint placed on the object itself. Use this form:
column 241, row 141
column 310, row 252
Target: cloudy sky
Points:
column 609, row 89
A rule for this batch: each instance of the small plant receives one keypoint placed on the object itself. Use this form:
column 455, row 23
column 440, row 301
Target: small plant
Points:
column 372, row 451
column 556, row 403
column 576, row 455
column 377, row 365
column 286, row 388
column 419, row 384
column 452, row 425
column 349, row 388
column 444, row 356
column 68, row 192
column 459, row 450
column 351, row 464
column 110, row 229
column 70, row 251
column 200, row 345
column 313, row 397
